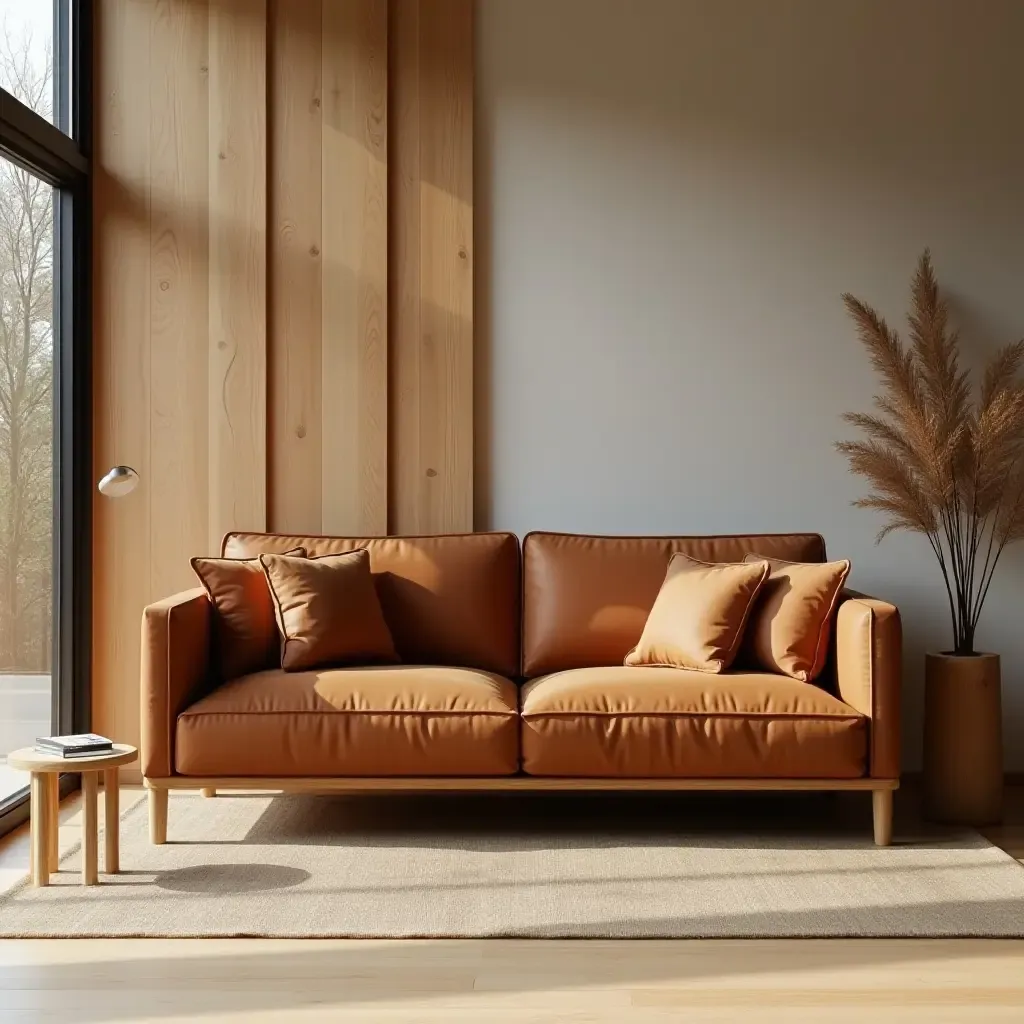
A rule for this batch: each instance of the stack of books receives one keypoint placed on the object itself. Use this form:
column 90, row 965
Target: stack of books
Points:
column 86, row 744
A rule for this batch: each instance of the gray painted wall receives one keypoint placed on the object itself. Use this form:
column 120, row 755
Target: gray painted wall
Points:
column 671, row 196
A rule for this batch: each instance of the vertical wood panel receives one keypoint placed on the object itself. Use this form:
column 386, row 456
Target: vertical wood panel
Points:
column 294, row 189
column 354, row 333
column 121, row 373
column 179, row 307
column 431, row 298
column 407, row 472
column 238, row 257
column 236, row 239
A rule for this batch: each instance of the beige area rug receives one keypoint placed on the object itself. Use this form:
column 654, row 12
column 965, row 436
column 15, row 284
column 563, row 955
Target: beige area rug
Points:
column 528, row 865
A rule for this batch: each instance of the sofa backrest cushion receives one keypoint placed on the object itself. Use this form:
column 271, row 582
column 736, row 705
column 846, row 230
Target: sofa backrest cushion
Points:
column 586, row 599
column 448, row 600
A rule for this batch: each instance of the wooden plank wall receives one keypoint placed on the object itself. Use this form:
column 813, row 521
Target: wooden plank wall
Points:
column 432, row 265
column 354, row 358
column 296, row 265
column 283, row 286
column 237, row 220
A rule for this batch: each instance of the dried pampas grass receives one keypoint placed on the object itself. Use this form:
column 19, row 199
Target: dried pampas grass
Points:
column 940, row 463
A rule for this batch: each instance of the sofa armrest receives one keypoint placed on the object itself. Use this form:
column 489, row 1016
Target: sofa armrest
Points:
column 175, row 668
column 869, row 641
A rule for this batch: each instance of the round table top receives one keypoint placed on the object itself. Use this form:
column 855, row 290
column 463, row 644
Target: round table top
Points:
column 29, row 759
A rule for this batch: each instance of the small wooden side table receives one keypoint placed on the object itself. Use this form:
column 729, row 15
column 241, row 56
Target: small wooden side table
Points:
column 46, row 771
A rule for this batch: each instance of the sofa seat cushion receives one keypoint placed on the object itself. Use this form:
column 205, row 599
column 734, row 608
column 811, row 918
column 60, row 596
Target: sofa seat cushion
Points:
column 672, row 723
column 367, row 721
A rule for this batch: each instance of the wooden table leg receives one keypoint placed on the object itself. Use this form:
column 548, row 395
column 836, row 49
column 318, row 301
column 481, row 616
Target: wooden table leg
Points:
column 53, row 818
column 111, row 822
column 39, row 816
column 90, row 839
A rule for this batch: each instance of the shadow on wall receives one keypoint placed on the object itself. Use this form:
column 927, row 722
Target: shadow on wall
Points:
column 669, row 206
column 823, row 92
column 834, row 86
column 327, row 27
column 422, row 442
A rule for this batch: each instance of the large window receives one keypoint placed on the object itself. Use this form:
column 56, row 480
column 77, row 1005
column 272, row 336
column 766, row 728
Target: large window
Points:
column 44, row 384
column 26, row 461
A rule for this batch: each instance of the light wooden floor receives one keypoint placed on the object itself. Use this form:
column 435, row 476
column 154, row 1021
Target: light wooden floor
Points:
column 581, row 982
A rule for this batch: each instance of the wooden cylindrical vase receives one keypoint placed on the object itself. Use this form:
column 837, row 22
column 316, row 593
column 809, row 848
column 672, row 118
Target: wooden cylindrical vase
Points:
column 963, row 739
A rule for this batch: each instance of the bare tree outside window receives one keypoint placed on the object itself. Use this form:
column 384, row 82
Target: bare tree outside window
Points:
column 26, row 414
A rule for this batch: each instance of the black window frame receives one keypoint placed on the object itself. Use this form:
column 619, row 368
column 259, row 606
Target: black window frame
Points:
column 59, row 154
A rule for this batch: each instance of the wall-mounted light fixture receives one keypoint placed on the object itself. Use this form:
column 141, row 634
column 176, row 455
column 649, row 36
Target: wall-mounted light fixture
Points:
column 121, row 480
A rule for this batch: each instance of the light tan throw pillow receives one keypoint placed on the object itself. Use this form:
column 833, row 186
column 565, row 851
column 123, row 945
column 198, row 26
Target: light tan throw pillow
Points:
column 327, row 611
column 792, row 618
column 698, row 617
column 245, row 632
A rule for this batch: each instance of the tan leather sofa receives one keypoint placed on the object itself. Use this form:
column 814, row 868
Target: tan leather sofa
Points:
column 512, row 678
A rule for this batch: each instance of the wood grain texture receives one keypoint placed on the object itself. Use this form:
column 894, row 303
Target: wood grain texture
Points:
column 41, row 823
column 90, row 827
column 295, row 265
column 524, row 783
column 354, row 330
column 525, row 981
column 516, row 981
column 431, row 266
column 122, row 537
column 238, row 264
column 240, row 304
column 881, row 807
column 178, row 469
column 52, row 820
column 158, row 816
column 111, row 820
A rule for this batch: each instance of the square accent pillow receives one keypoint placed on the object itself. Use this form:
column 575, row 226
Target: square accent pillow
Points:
column 791, row 622
column 327, row 611
column 245, row 632
column 698, row 617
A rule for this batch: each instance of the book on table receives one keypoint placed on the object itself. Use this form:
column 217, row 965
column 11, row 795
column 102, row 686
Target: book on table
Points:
column 87, row 744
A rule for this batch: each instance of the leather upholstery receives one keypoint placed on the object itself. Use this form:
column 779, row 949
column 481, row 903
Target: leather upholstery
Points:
column 327, row 611
column 245, row 636
column 868, row 672
column 176, row 658
column 699, row 614
column 586, row 599
column 448, row 600
column 377, row 721
column 791, row 621
column 665, row 722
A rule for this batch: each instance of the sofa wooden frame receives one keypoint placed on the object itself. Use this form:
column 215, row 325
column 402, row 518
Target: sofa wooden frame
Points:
column 159, row 789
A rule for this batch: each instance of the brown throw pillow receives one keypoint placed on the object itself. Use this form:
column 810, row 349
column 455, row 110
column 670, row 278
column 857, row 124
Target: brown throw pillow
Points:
column 245, row 632
column 698, row 617
column 792, row 619
column 327, row 611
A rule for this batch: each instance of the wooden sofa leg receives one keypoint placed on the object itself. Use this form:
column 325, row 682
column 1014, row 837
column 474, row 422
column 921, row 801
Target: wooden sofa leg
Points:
column 881, row 806
column 207, row 791
column 158, row 816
